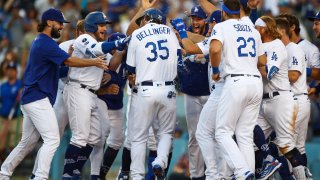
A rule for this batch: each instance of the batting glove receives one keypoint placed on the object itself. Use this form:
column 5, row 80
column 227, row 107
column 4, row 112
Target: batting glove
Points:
column 179, row 25
column 116, row 36
column 121, row 44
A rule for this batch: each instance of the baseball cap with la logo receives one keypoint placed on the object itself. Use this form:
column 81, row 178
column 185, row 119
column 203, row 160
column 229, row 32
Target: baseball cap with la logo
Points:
column 316, row 17
column 53, row 15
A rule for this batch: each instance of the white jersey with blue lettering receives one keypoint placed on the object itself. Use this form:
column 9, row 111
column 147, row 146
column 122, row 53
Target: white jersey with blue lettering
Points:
column 85, row 46
column 247, row 20
column 155, row 46
column 244, row 46
column 312, row 53
column 276, row 56
column 297, row 62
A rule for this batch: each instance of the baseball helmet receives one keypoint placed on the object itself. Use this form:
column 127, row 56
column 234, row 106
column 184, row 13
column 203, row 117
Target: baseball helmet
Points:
column 154, row 15
column 93, row 19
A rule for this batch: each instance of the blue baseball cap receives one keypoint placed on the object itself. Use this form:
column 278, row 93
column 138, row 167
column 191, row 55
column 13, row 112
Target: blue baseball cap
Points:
column 215, row 16
column 53, row 15
column 316, row 17
column 198, row 12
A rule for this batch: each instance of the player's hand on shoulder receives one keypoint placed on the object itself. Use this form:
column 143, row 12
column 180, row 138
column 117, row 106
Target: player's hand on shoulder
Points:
column 70, row 50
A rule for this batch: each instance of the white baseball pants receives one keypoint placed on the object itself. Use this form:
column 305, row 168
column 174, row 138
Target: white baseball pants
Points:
column 155, row 109
column 39, row 120
column 237, row 114
column 193, row 106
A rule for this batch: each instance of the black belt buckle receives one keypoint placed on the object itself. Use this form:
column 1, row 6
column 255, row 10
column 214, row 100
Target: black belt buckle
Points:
column 248, row 75
column 267, row 95
column 85, row 87
column 150, row 83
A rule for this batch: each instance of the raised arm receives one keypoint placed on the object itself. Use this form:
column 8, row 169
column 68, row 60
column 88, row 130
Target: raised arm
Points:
column 144, row 5
column 207, row 6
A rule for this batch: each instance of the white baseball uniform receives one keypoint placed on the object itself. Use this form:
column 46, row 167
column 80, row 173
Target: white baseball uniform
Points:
column 312, row 55
column 300, row 89
column 241, row 94
column 277, row 109
column 153, row 52
column 205, row 132
column 82, row 82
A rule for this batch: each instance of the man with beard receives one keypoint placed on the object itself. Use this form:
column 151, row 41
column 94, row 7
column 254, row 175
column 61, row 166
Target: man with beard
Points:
column 193, row 80
column 39, row 94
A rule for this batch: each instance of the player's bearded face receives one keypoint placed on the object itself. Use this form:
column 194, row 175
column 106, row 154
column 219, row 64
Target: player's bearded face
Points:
column 101, row 32
column 56, row 31
column 316, row 28
column 198, row 25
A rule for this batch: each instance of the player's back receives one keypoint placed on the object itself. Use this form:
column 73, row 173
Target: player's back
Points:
column 155, row 53
column 241, row 47
column 277, row 56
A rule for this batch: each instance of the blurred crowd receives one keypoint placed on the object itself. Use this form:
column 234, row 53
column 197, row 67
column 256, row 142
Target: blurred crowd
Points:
column 19, row 19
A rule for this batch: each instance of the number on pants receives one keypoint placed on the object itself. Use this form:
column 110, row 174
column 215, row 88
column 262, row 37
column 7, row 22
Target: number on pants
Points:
column 162, row 48
column 244, row 44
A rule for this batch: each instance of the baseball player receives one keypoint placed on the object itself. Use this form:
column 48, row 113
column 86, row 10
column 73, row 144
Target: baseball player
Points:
column 155, row 71
column 59, row 106
column 311, row 52
column 298, row 82
column 204, row 124
column 84, row 82
column 193, row 82
column 277, row 110
column 240, row 99
column 112, row 120
column 315, row 72
column 38, row 96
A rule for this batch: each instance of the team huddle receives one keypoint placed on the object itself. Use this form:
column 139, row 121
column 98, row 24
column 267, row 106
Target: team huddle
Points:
column 244, row 80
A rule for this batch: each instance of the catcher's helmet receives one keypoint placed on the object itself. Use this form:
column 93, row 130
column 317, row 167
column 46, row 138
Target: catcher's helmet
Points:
column 93, row 19
column 154, row 15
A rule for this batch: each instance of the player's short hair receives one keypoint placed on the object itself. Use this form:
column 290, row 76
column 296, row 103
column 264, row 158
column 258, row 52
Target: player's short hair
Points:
column 271, row 27
column 233, row 5
column 293, row 20
column 41, row 26
column 282, row 23
column 80, row 26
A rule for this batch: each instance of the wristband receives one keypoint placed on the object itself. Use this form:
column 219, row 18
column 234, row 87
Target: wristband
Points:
column 215, row 70
column 183, row 34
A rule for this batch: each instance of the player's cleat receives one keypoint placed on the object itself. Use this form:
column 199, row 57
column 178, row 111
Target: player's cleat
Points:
column 268, row 168
column 68, row 177
column 124, row 176
column 247, row 176
column 299, row 173
column 158, row 171
column 32, row 177
column 308, row 173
